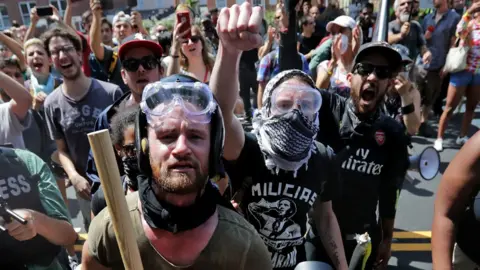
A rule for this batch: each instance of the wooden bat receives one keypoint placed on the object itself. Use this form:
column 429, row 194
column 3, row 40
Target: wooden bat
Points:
column 117, row 205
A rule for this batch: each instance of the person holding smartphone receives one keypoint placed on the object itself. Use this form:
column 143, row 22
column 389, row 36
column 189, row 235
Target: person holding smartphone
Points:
column 190, row 51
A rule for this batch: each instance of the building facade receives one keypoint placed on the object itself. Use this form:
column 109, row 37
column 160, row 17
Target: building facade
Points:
column 19, row 10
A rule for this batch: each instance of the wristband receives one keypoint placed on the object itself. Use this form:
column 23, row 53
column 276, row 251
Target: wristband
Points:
column 408, row 109
column 175, row 56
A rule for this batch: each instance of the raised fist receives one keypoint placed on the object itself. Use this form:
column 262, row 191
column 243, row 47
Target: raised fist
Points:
column 238, row 27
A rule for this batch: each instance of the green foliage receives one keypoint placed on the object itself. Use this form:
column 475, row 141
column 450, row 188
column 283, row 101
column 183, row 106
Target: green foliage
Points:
column 270, row 16
column 192, row 3
column 148, row 24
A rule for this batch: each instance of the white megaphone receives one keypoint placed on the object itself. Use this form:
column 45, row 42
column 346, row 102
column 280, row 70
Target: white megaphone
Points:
column 427, row 163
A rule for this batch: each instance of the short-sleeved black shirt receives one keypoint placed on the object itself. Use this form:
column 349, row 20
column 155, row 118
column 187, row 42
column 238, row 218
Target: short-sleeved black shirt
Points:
column 373, row 159
column 277, row 204
column 308, row 43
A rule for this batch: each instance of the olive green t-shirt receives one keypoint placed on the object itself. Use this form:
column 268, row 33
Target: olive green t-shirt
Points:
column 235, row 244
column 50, row 195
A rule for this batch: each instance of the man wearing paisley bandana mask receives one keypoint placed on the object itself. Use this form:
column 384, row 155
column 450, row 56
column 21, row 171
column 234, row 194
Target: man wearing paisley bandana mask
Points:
column 123, row 138
column 280, row 169
column 371, row 151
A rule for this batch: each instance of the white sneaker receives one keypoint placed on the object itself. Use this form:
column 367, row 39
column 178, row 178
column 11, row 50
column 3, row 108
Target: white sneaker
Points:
column 438, row 145
column 462, row 140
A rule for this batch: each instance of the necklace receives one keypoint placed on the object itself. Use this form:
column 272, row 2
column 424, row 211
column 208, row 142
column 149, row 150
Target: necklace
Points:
column 170, row 263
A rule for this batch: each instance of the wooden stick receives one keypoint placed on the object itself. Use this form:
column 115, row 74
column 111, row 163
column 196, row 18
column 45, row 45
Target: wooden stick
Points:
column 117, row 205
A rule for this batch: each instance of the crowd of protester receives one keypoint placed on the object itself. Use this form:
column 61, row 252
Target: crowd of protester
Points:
column 58, row 84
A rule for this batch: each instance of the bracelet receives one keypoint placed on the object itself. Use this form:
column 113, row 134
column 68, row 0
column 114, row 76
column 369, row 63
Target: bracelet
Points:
column 408, row 109
column 329, row 72
column 175, row 56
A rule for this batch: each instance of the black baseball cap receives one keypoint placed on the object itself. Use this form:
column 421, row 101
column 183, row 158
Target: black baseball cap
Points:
column 382, row 48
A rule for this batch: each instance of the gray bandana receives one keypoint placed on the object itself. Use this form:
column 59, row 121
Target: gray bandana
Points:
column 287, row 141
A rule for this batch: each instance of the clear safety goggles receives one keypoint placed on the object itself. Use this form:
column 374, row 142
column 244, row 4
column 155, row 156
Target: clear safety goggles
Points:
column 287, row 97
column 194, row 99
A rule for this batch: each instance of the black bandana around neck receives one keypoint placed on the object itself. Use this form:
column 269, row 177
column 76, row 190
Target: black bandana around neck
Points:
column 162, row 215
column 351, row 124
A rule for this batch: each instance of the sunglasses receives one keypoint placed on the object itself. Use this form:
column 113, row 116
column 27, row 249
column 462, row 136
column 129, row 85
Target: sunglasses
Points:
column 364, row 69
column 194, row 39
column 129, row 150
column 148, row 62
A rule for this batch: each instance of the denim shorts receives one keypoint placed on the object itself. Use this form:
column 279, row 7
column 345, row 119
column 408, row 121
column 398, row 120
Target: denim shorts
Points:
column 464, row 78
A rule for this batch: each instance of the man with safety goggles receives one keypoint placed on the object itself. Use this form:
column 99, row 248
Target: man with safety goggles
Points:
column 180, row 218
column 140, row 66
column 282, row 172
column 371, row 151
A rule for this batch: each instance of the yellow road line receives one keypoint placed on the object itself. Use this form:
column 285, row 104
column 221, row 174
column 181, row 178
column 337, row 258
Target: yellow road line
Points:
column 412, row 247
column 412, row 235
column 78, row 248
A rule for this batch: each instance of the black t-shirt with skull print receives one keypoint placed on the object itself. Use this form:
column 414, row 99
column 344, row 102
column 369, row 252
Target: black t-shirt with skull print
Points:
column 277, row 204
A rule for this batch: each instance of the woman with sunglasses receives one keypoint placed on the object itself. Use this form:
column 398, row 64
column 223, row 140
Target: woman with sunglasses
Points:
column 191, row 55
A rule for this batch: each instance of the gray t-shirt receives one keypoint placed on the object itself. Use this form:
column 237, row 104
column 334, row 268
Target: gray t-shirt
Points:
column 72, row 120
column 11, row 128
column 413, row 41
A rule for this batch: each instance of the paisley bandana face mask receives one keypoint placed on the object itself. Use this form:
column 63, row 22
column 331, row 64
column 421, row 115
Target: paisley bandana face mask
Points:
column 287, row 124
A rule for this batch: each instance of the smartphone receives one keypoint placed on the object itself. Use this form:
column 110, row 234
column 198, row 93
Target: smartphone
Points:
column 106, row 4
column 184, row 16
column 44, row 11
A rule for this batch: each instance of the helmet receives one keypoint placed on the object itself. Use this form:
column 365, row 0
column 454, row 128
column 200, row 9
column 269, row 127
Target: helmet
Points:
column 216, row 138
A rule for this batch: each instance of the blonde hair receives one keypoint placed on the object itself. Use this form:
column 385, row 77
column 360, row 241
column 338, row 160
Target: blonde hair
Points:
column 33, row 41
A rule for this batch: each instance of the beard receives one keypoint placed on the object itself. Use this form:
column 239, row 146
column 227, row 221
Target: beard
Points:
column 356, row 96
column 404, row 17
column 73, row 76
column 178, row 183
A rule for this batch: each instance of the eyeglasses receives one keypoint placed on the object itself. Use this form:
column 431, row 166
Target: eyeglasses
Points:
column 148, row 62
column 364, row 69
column 194, row 39
column 64, row 49
column 129, row 150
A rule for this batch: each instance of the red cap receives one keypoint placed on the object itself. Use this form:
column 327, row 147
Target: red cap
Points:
column 139, row 41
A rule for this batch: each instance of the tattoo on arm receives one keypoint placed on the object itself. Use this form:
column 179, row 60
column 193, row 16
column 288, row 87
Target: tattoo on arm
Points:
column 330, row 244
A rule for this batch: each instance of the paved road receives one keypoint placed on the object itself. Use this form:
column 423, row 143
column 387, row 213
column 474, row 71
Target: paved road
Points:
column 411, row 248
column 415, row 207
